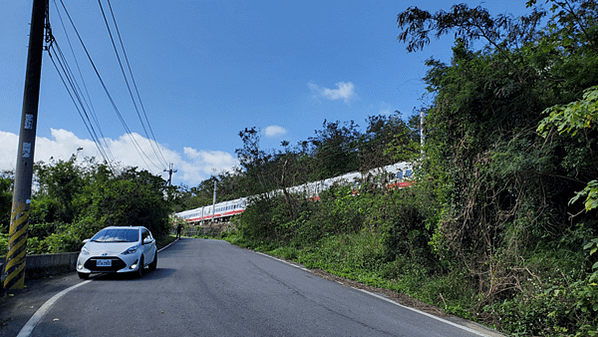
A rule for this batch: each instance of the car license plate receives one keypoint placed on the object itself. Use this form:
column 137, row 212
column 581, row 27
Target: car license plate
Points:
column 103, row 263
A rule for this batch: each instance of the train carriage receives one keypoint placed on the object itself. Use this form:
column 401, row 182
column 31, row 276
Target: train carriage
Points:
column 393, row 176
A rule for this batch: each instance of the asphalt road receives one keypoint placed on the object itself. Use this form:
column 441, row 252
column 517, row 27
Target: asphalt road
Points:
column 211, row 288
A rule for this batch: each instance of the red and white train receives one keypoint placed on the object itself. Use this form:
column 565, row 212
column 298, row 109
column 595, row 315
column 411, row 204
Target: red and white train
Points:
column 392, row 176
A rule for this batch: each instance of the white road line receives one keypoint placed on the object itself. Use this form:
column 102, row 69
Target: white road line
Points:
column 388, row 300
column 284, row 261
column 43, row 310
column 423, row 313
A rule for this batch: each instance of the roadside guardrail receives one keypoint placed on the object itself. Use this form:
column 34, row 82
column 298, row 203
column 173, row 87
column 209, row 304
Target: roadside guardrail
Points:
column 38, row 266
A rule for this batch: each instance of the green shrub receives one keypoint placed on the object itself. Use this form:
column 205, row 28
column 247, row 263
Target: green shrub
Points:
column 42, row 230
column 289, row 253
column 558, row 310
column 3, row 244
column 557, row 296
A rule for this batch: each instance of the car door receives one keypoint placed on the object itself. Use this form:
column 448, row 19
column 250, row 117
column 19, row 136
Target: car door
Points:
column 145, row 246
column 150, row 248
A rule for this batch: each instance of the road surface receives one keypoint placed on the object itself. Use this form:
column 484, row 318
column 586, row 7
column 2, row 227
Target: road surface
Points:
column 212, row 288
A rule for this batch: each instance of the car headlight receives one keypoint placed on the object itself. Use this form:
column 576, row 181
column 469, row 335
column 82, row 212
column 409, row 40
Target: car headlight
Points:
column 130, row 250
column 84, row 251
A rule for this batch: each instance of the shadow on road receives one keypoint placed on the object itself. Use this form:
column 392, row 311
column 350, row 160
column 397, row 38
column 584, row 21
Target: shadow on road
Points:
column 148, row 275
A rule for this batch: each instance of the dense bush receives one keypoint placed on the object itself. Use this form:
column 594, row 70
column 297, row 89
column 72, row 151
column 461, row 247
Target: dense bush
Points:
column 5, row 203
column 75, row 200
column 501, row 224
column 3, row 244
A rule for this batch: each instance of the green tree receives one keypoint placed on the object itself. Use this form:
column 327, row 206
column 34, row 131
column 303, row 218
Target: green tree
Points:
column 335, row 149
column 132, row 198
column 256, row 163
column 75, row 200
column 484, row 160
column 579, row 120
column 6, row 183
column 59, row 183
column 387, row 140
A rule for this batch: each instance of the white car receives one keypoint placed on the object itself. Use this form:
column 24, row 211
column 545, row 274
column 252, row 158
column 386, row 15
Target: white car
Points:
column 118, row 250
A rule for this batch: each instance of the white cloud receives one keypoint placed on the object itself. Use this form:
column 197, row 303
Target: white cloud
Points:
column 192, row 168
column 135, row 150
column 8, row 150
column 202, row 164
column 63, row 145
column 384, row 109
column 345, row 91
column 275, row 130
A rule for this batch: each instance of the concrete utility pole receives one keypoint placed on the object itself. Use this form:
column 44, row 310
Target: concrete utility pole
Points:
column 421, row 130
column 21, row 202
column 214, row 202
column 170, row 173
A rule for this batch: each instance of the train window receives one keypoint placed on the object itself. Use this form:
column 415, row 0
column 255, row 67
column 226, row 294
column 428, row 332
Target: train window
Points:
column 408, row 173
column 400, row 175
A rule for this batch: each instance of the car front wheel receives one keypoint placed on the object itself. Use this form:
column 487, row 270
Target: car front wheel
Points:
column 140, row 269
column 154, row 264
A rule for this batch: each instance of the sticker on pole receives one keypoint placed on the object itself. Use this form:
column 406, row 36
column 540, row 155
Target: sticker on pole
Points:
column 26, row 150
column 28, row 122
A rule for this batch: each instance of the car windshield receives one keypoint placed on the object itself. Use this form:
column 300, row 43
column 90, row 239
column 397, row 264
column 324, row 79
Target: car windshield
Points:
column 117, row 235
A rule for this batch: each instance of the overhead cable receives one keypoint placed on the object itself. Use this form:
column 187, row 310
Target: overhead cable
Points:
column 71, row 86
column 150, row 136
column 83, row 105
column 138, row 148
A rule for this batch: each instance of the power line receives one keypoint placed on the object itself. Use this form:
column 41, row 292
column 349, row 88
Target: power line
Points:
column 156, row 149
column 74, row 90
column 103, row 84
column 88, row 100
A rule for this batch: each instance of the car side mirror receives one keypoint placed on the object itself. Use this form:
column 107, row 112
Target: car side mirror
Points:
column 147, row 241
column 86, row 241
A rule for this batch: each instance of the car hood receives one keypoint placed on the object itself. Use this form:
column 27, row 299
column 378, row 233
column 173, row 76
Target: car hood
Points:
column 108, row 248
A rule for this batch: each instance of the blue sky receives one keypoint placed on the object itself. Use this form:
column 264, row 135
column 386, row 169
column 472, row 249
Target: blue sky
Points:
column 207, row 69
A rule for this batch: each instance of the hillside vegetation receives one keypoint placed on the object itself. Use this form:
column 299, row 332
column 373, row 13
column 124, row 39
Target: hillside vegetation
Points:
column 501, row 223
column 72, row 201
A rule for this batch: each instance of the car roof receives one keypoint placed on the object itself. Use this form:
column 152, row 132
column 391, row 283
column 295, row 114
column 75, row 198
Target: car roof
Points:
column 118, row 227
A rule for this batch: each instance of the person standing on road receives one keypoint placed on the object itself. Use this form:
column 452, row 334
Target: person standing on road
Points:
column 179, row 228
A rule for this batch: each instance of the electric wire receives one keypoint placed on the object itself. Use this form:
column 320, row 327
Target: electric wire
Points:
column 119, row 59
column 150, row 136
column 85, row 100
column 88, row 100
column 71, row 86
column 138, row 148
